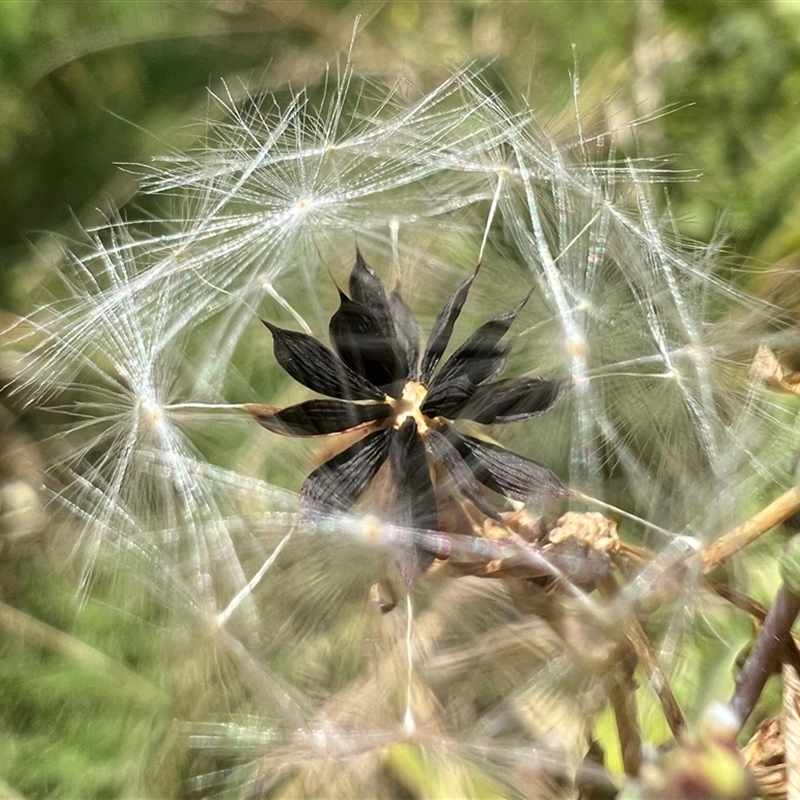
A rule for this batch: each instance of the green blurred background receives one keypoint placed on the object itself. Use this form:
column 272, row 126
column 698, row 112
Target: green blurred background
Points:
column 88, row 86
column 85, row 86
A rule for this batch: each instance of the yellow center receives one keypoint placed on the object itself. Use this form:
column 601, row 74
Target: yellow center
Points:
column 409, row 406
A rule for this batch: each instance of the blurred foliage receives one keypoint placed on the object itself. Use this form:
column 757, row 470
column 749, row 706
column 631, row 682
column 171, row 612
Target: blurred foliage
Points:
column 85, row 86
column 77, row 712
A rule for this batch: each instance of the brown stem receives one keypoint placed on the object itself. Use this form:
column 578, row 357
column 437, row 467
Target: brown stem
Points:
column 766, row 655
column 635, row 634
column 742, row 535
column 738, row 599
column 621, row 693
column 743, row 602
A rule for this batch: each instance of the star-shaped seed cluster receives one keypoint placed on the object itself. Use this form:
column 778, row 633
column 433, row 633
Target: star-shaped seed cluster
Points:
column 382, row 386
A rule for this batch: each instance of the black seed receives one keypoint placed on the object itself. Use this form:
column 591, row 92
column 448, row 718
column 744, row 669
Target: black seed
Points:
column 443, row 328
column 482, row 356
column 365, row 344
column 445, row 400
column 311, row 363
column 366, row 288
column 318, row 417
column 511, row 400
column 407, row 331
column 461, row 473
column 414, row 497
column 341, row 480
column 507, row 473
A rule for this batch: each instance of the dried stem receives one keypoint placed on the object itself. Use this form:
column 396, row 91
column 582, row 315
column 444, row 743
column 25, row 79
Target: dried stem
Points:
column 766, row 655
column 739, row 600
column 622, row 695
column 746, row 533
column 635, row 634
column 512, row 555
column 791, row 730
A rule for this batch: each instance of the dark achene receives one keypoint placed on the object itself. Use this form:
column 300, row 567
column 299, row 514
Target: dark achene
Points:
column 404, row 406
